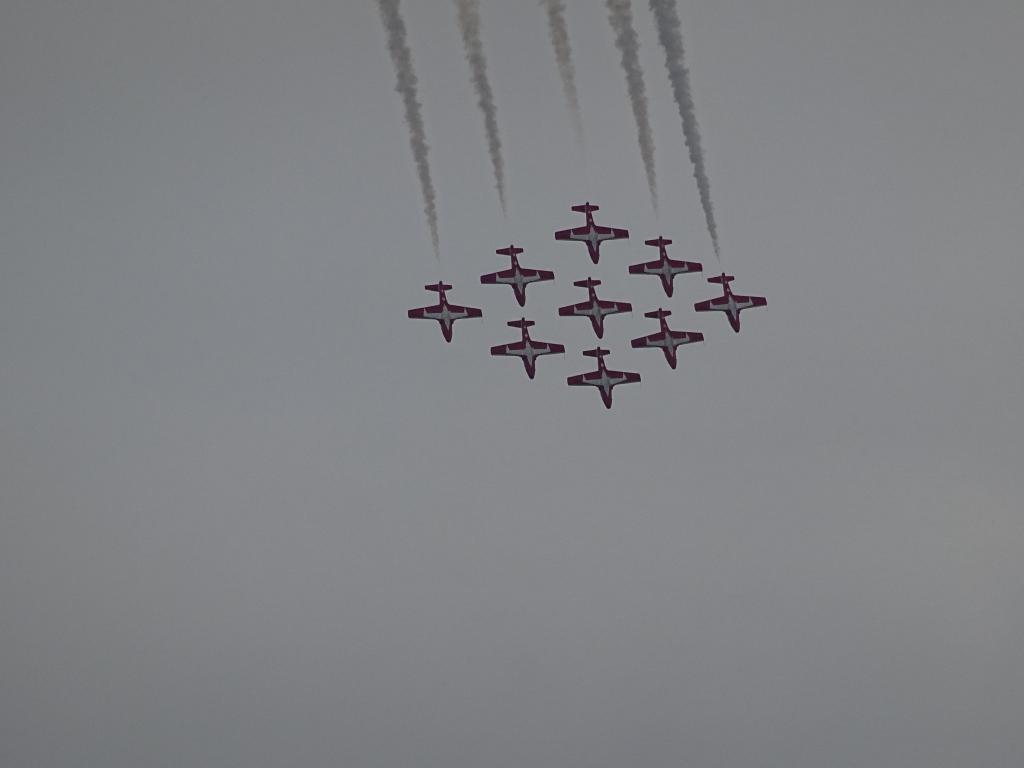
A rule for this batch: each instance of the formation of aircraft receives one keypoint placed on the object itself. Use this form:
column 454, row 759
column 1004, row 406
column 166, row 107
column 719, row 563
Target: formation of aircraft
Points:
column 604, row 379
column 516, row 277
column 729, row 302
column 594, row 308
column 446, row 314
column 664, row 267
column 666, row 339
column 526, row 348
column 592, row 234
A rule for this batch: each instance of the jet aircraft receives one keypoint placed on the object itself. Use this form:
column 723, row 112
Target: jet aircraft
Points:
column 666, row 338
column 592, row 234
column 594, row 308
column 605, row 380
column 664, row 267
column 527, row 349
column 516, row 277
column 729, row 302
column 446, row 314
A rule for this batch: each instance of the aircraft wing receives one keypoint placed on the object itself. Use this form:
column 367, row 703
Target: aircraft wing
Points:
column 582, row 378
column 513, row 348
column 536, row 275
column 494, row 277
column 686, row 266
column 644, row 268
column 455, row 309
column 687, row 337
column 653, row 340
column 518, row 348
column 570, row 234
column 624, row 377
column 615, row 306
column 548, row 348
column 719, row 302
column 744, row 302
column 615, row 232
column 583, row 308
column 424, row 313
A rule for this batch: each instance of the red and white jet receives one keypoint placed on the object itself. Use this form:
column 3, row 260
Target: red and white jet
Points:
column 729, row 302
column 594, row 308
column 592, row 234
column 666, row 338
column 446, row 314
column 527, row 349
column 664, row 267
column 516, row 277
column 604, row 379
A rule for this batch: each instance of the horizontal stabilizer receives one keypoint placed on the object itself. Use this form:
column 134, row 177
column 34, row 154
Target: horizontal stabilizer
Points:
column 438, row 287
column 520, row 323
column 658, row 313
column 585, row 208
column 721, row 279
column 510, row 251
column 658, row 242
column 595, row 352
column 588, row 283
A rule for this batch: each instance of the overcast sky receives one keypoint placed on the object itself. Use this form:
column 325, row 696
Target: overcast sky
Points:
column 251, row 515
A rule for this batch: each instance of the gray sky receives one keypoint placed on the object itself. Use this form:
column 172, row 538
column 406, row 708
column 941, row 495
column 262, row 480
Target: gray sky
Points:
column 250, row 515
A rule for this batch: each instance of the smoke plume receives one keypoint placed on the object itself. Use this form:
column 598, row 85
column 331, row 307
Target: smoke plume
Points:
column 401, row 57
column 563, row 55
column 620, row 15
column 469, row 25
column 666, row 19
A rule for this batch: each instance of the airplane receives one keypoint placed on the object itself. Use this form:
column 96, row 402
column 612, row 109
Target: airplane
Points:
column 446, row 314
column 592, row 234
column 729, row 302
column 516, row 277
column 604, row 379
column 666, row 338
column 664, row 267
column 527, row 349
column 594, row 308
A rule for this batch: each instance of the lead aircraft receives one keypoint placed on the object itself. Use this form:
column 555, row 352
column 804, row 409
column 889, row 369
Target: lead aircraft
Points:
column 664, row 267
column 592, row 234
column 446, row 314
column 729, row 302
column 594, row 308
column 604, row 379
column 527, row 349
column 516, row 277
column 666, row 338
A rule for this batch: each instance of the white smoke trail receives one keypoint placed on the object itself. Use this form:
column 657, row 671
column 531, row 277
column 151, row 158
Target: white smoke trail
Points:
column 669, row 34
column 563, row 56
column 469, row 25
column 620, row 14
column 401, row 57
